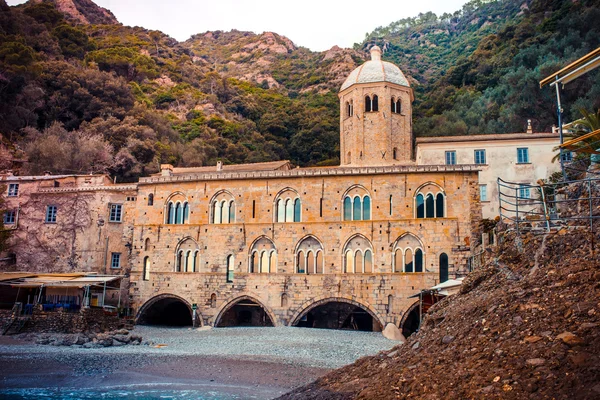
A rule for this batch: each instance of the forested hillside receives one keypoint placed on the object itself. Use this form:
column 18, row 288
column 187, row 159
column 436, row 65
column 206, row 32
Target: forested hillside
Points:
column 80, row 92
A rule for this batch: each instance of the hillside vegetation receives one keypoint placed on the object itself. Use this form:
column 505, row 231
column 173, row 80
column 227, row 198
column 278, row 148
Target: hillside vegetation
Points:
column 82, row 93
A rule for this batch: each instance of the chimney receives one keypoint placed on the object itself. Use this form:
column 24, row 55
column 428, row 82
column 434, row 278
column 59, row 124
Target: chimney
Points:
column 529, row 128
column 219, row 166
column 166, row 169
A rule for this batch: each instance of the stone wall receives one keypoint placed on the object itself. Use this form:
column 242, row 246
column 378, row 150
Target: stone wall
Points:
column 88, row 319
column 392, row 219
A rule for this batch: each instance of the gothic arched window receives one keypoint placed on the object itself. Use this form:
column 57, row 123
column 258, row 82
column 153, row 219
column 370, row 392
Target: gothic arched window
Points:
column 375, row 106
column 368, row 105
column 358, row 255
column 309, row 256
column 408, row 254
column 288, row 206
column 263, row 256
column 356, row 204
column 430, row 201
column 222, row 208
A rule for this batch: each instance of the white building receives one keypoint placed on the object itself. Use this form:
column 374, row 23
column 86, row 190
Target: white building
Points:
column 515, row 157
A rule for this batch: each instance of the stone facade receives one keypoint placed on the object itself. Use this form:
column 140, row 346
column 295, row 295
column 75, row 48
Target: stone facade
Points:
column 369, row 234
column 322, row 193
column 375, row 117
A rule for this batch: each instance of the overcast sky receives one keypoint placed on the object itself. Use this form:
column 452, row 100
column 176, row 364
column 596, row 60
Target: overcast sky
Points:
column 316, row 24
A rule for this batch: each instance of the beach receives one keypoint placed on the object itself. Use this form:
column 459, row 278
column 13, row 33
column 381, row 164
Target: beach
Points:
column 183, row 363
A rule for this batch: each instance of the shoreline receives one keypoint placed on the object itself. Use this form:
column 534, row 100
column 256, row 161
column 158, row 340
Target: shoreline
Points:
column 224, row 363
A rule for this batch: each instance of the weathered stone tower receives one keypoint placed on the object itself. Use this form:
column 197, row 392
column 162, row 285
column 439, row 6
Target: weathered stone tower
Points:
column 376, row 115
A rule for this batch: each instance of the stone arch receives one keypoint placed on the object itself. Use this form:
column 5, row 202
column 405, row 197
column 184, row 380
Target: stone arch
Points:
column 410, row 321
column 144, row 309
column 230, row 304
column 318, row 301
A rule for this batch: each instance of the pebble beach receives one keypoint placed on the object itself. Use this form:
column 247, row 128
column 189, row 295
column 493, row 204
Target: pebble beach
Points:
column 183, row 363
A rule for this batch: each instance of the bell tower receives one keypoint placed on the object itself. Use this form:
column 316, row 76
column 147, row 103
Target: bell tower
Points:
column 376, row 115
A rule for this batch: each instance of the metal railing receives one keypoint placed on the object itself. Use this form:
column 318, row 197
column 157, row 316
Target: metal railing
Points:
column 543, row 206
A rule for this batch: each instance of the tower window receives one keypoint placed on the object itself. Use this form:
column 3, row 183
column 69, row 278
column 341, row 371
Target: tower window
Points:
column 368, row 105
column 375, row 106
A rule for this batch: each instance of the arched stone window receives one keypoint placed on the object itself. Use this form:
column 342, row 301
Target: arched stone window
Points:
column 177, row 209
column 356, row 204
column 408, row 255
column 375, row 103
column 390, row 304
column 213, row 300
column 396, row 106
column 358, row 255
column 222, row 208
column 284, row 300
column 443, row 267
column 309, row 256
column 395, row 153
column 288, row 206
column 430, row 201
column 368, row 104
column 263, row 256
column 230, row 268
column 349, row 108
column 151, row 199
column 146, row 273
column 187, row 256
column 147, row 244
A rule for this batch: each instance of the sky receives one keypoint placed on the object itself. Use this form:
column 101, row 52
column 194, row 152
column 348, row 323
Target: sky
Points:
column 316, row 24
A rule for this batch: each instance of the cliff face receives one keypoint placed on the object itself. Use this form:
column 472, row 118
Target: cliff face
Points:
column 84, row 12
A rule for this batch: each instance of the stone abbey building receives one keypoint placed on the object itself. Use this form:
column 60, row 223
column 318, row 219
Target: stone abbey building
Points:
column 268, row 244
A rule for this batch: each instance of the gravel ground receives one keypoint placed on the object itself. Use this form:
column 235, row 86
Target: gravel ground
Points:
column 321, row 348
column 223, row 363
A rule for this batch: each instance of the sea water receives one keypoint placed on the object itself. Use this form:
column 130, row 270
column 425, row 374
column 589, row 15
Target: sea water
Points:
column 128, row 394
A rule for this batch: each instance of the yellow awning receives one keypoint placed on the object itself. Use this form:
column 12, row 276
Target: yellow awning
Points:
column 575, row 69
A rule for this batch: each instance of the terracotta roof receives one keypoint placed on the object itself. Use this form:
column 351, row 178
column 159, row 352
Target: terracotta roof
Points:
column 494, row 136
column 264, row 166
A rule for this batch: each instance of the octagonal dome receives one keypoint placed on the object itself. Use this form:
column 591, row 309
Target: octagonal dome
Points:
column 375, row 70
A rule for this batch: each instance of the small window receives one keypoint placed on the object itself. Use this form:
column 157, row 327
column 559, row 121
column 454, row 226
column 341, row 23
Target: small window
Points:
column 367, row 104
column 51, row 214
column 522, row 155
column 13, row 190
column 230, row 261
column 146, row 274
column 116, row 212
column 151, row 199
column 483, row 193
column 524, row 192
column 115, row 261
column 451, row 157
column 375, row 103
column 567, row 156
column 480, row 157
column 10, row 217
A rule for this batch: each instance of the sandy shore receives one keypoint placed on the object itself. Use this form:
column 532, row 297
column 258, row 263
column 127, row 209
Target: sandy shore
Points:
column 236, row 363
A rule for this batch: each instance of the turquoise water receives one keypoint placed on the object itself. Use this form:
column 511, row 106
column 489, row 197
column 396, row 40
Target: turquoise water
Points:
column 84, row 394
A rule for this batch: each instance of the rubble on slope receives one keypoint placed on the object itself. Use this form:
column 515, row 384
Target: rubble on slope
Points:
column 525, row 326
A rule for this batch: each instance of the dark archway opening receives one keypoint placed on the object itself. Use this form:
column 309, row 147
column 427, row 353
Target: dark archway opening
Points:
column 245, row 313
column 168, row 311
column 339, row 315
column 411, row 322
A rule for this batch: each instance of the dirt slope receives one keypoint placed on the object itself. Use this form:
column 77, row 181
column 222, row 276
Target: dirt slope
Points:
column 525, row 326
